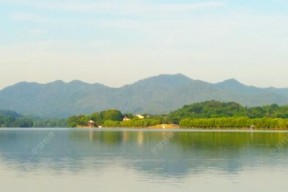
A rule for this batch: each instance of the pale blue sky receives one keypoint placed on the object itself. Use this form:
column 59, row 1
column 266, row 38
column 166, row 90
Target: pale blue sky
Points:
column 118, row 42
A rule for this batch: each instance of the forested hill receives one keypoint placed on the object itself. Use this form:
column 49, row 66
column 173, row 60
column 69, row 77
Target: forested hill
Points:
column 155, row 95
column 13, row 119
column 216, row 109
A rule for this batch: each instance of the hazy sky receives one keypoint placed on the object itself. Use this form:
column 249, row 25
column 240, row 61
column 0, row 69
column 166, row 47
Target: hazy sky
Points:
column 118, row 42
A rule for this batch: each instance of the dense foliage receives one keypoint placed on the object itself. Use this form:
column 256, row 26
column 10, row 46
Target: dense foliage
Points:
column 216, row 109
column 235, row 122
column 209, row 114
column 113, row 118
column 99, row 118
column 13, row 119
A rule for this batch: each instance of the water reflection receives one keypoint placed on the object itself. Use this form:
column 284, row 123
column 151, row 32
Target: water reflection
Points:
column 160, row 153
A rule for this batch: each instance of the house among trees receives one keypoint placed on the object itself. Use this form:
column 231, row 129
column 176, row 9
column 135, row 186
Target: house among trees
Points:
column 126, row 119
column 140, row 116
column 91, row 124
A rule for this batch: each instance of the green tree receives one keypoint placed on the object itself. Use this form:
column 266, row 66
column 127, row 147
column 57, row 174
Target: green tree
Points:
column 111, row 114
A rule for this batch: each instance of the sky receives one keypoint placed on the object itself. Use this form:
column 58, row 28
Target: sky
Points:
column 117, row 42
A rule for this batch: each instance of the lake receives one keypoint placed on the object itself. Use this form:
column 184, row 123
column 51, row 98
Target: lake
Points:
column 106, row 160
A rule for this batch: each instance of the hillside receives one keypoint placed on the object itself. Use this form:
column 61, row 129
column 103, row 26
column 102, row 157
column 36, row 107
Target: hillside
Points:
column 216, row 109
column 155, row 95
column 13, row 119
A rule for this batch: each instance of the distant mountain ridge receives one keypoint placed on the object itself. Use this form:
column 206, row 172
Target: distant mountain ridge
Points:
column 158, row 94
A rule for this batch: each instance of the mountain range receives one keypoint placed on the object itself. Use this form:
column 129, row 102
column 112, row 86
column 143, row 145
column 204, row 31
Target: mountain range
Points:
column 153, row 95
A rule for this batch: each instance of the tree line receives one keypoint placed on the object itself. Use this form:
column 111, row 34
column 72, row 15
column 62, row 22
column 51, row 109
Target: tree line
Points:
column 231, row 115
column 235, row 122
column 208, row 114
column 114, row 118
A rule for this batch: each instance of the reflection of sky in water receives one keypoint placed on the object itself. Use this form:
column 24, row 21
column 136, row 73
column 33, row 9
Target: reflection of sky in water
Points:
column 108, row 161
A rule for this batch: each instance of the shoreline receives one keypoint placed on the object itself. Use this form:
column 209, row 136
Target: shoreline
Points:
column 150, row 129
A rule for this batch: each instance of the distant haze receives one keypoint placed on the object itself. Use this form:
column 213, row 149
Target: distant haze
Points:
column 120, row 42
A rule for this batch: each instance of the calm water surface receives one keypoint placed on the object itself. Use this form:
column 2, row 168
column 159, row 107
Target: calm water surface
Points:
column 37, row 160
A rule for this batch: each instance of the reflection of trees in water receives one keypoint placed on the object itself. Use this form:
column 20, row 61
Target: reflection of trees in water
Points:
column 228, row 140
column 184, row 153
column 192, row 151
column 117, row 137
